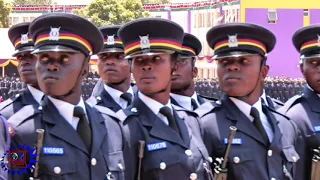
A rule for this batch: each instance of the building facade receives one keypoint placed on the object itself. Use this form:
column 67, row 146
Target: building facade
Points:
column 283, row 18
column 195, row 18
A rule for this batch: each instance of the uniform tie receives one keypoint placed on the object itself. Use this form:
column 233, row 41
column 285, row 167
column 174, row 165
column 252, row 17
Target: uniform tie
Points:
column 166, row 111
column 128, row 97
column 194, row 104
column 83, row 128
column 257, row 122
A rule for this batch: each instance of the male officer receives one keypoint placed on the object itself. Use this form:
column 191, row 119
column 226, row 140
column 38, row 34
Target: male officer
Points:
column 23, row 44
column 76, row 144
column 4, row 146
column 182, row 88
column 114, row 70
column 263, row 145
column 304, row 109
column 173, row 146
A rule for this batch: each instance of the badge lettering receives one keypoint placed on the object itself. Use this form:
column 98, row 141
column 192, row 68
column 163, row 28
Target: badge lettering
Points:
column 157, row 146
column 235, row 141
column 233, row 41
column 316, row 129
column 54, row 34
column 53, row 151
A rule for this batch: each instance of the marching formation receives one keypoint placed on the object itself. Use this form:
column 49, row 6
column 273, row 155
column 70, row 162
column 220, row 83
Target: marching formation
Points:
column 159, row 128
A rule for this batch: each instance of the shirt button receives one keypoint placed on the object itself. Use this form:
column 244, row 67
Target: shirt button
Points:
column 17, row 95
column 163, row 166
column 193, row 176
column 270, row 153
column 93, row 161
column 273, row 178
column 236, row 160
column 57, row 170
column 98, row 98
column 210, row 159
column 188, row 152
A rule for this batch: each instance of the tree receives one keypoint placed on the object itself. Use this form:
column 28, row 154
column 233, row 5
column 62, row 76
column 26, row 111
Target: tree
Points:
column 155, row 1
column 32, row 2
column 5, row 8
column 108, row 12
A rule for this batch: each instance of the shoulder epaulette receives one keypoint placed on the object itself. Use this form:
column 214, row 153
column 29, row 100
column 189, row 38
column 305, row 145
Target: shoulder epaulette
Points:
column 9, row 101
column 123, row 114
column 105, row 110
column 290, row 103
column 277, row 101
column 23, row 114
column 209, row 98
column 207, row 107
column 92, row 100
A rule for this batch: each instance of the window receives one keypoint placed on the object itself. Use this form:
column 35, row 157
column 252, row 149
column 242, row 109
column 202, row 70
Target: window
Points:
column 272, row 16
column 15, row 20
column 26, row 19
column 306, row 12
column 157, row 16
column 32, row 18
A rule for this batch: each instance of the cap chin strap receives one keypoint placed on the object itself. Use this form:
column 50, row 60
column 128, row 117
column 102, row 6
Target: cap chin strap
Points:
column 72, row 90
column 257, row 82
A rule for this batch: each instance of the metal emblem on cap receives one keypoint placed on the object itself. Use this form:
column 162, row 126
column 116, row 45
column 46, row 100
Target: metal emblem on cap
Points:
column 54, row 34
column 24, row 38
column 318, row 40
column 110, row 40
column 145, row 44
column 233, row 41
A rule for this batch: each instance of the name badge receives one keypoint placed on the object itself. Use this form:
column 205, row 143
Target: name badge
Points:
column 53, row 151
column 235, row 141
column 316, row 129
column 157, row 146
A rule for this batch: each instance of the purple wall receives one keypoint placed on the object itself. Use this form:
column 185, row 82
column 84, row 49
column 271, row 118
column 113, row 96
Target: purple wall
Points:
column 284, row 58
column 314, row 16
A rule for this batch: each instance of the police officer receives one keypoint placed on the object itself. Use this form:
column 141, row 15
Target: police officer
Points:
column 169, row 151
column 263, row 144
column 114, row 70
column 182, row 88
column 23, row 44
column 304, row 109
column 76, row 143
column 4, row 146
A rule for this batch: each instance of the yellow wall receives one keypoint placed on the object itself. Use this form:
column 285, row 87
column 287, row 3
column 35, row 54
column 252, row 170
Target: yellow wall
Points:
column 278, row 4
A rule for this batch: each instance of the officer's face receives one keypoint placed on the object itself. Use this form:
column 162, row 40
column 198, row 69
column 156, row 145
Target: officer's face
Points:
column 26, row 68
column 239, row 76
column 183, row 76
column 152, row 73
column 58, row 72
column 311, row 71
column 113, row 68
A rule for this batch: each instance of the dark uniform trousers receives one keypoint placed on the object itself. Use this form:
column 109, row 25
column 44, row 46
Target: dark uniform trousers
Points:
column 178, row 157
column 250, row 157
column 15, row 103
column 4, row 144
column 75, row 162
column 305, row 112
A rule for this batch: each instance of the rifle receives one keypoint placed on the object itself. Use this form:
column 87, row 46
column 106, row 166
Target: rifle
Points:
column 40, row 133
column 220, row 171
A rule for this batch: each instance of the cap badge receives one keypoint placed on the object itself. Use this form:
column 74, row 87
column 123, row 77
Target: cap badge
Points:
column 54, row 34
column 24, row 38
column 110, row 40
column 318, row 40
column 144, row 42
column 233, row 41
